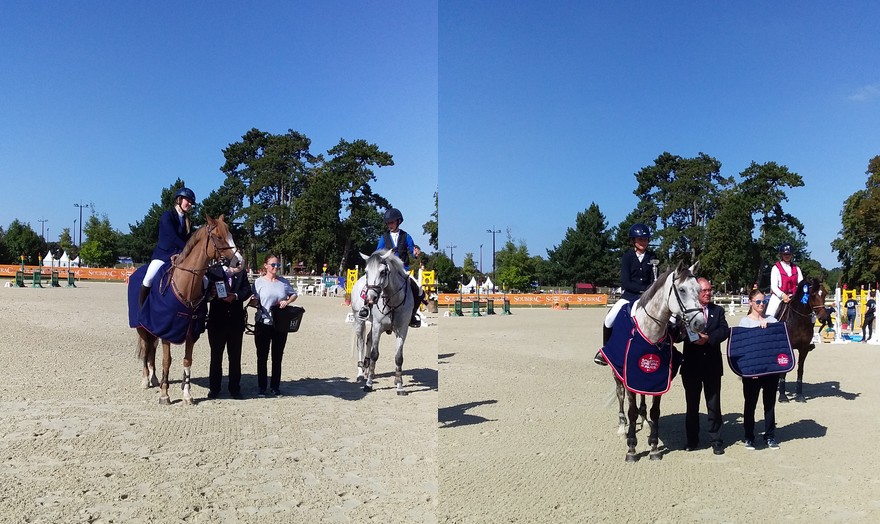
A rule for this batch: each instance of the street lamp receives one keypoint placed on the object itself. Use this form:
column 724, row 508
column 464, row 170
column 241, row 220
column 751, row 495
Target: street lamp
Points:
column 73, row 233
column 493, row 231
column 450, row 247
column 81, row 206
column 42, row 222
column 481, row 259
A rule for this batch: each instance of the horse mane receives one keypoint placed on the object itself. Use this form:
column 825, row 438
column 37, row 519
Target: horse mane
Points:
column 654, row 288
column 193, row 240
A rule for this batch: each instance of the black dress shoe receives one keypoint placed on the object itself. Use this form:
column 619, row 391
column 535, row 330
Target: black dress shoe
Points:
column 212, row 395
column 718, row 448
column 237, row 395
column 690, row 447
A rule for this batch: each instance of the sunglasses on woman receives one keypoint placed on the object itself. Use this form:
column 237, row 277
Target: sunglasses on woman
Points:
column 274, row 264
column 764, row 302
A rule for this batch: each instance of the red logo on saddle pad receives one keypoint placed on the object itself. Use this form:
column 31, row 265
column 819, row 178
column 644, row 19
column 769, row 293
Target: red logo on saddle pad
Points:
column 782, row 360
column 649, row 363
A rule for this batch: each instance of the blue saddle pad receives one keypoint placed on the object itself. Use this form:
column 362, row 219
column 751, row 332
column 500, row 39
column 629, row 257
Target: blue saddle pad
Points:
column 163, row 314
column 644, row 367
column 753, row 352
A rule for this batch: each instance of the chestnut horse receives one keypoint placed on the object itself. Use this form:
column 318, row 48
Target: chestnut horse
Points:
column 185, row 276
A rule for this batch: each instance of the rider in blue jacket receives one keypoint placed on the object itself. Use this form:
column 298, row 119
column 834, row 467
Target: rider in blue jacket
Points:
column 174, row 232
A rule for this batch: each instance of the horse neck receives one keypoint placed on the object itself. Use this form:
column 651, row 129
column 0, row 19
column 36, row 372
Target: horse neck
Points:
column 189, row 281
column 653, row 316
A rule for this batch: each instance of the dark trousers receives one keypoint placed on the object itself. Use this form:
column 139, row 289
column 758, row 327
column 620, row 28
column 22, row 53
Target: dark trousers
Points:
column 751, row 390
column 694, row 385
column 867, row 327
column 268, row 340
column 230, row 338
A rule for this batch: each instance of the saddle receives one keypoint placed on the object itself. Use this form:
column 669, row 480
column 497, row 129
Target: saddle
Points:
column 163, row 313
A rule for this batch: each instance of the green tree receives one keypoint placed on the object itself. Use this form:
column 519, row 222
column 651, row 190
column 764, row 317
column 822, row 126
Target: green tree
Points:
column 446, row 274
column 65, row 242
column 858, row 243
column 100, row 248
column 430, row 227
column 469, row 267
column 351, row 165
column 5, row 256
column 516, row 269
column 585, row 254
column 731, row 254
column 684, row 192
column 20, row 239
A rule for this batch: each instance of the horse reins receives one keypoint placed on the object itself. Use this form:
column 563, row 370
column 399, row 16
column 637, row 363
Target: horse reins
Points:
column 379, row 289
column 683, row 311
column 194, row 304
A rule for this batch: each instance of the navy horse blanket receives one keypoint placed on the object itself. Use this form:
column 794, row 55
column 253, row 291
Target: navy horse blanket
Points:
column 644, row 367
column 164, row 315
column 753, row 352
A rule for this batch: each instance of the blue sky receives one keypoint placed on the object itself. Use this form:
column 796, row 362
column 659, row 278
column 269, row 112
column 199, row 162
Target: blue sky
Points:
column 110, row 102
column 547, row 107
column 523, row 113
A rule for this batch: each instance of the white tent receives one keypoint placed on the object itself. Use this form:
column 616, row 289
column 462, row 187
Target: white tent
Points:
column 49, row 260
column 488, row 285
column 75, row 262
column 470, row 287
column 64, row 261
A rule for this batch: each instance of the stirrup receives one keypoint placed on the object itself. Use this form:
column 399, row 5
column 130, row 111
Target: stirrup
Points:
column 599, row 358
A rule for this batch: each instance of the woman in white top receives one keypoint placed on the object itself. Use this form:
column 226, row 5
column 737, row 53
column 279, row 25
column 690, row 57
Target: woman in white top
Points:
column 784, row 278
column 752, row 386
column 270, row 291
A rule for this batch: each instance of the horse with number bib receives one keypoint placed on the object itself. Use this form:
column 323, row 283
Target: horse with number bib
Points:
column 797, row 314
column 174, row 312
column 385, row 290
column 640, row 351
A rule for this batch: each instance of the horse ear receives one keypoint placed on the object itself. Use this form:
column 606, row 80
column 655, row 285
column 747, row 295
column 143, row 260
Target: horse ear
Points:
column 694, row 268
column 210, row 220
column 387, row 254
column 363, row 256
column 221, row 218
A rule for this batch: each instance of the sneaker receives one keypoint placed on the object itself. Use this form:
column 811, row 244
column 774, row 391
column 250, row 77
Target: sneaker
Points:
column 262, row 393
column 749, row 444
column 277, row 392
column 600, row 359
column 771, row 443
column 718, row 448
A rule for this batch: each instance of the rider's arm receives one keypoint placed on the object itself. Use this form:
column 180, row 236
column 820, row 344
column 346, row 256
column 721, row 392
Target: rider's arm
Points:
column 775, row 281
column 410, row 245
column 381, row 244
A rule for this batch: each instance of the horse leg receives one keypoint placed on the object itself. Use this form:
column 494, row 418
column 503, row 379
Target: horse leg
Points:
column 643, row 412
column 359, row 327
column 782, row 396
column 398, row 363
column 631, row 440
column 654, row 425
column 166, row 367
column 621, row 416
column 187, row 368
column 799, row 388
column 370, row 361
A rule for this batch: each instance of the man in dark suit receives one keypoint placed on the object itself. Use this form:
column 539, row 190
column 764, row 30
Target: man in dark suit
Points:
column 226, row 323
column 701, row 371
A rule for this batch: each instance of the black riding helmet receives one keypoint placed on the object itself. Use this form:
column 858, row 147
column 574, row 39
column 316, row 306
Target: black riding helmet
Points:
column 786, row 249
column 186, row 193
column 393, row 214
column 639, row 230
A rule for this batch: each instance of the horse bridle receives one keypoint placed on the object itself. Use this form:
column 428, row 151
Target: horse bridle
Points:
column 682, row 310
column 217, row 250
column 789, row 309
column 379, row 289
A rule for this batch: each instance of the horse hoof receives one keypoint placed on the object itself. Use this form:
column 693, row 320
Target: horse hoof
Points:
column 783, row 398
column 164, row 401
column 799, row 398
column 145, row 383
column 656, row 455
column 361, row 378
column 401, row 393
column 188, row 401
column 631, row 457
column 367, row 389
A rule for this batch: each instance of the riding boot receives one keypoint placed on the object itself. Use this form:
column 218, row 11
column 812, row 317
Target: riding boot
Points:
column 143, row 296
column 599, row 358
column 364, row 312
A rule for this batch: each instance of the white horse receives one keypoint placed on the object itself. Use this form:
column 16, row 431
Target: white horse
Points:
column 385, row 291
column 675, row 294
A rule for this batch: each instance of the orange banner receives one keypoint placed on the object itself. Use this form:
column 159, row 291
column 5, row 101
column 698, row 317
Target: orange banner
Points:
column 82, row 273
column 539, row 299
